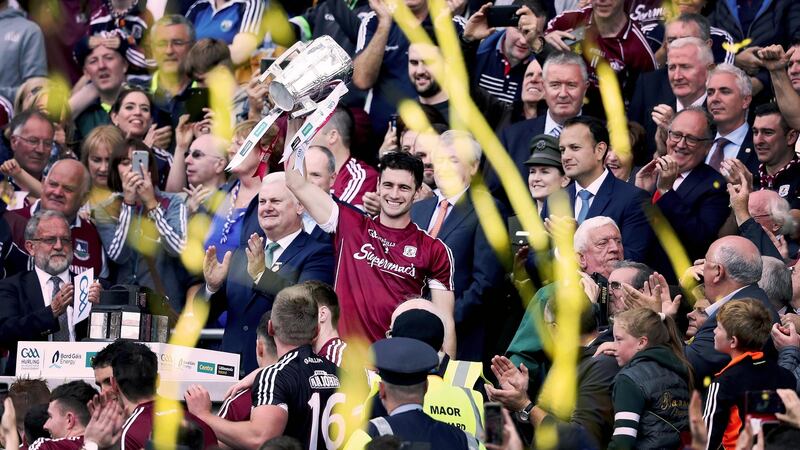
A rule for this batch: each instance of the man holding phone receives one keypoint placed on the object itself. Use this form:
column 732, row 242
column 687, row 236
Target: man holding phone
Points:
column 617, row 39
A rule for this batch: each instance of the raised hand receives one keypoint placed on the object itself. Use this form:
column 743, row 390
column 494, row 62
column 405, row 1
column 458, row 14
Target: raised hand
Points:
column 214, row 271
column 255, row 256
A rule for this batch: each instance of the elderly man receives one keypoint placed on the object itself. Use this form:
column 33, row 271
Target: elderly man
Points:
column 31, row 141
column 760, row 217
column 37, row 303
column 688, row 192
column 731, row 270
column 730, row 92
column 594, row 191
column 599, row 247
column 681, row 83
column 450, row 216
column 565, row 84
column 283, row 256
column 65, row 190
column 779, row 168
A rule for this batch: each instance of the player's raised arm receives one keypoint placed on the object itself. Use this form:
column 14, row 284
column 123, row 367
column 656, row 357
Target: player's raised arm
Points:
column 317, row 202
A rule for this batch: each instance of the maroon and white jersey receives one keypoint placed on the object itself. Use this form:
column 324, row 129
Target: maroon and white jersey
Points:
column 237, row 407
column 378, row 267
column 628, row 53
column 333, row 350
column 354, row 179
column 68, row 443
column 136, row 431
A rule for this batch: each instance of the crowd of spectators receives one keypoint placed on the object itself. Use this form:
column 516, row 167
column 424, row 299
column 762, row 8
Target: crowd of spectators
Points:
column 405, row 232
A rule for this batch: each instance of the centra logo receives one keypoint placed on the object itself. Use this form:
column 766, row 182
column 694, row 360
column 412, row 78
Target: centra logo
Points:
column 206, row 367
column 29, row 353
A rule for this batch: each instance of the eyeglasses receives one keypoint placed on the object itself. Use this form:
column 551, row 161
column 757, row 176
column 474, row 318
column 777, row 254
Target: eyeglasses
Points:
column 35, row 142
column 691, row 141
column 197, row 154
column 66, row 241
column 172, row 42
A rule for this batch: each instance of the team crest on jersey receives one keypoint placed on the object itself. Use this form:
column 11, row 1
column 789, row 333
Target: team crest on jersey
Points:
column 410, row 251
column 783, row 191
column 323, row 380
column 226, row 25
column 81, row 249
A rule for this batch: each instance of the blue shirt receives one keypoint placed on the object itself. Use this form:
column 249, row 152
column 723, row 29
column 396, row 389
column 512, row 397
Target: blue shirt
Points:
column 494, row 72
column 234, row 17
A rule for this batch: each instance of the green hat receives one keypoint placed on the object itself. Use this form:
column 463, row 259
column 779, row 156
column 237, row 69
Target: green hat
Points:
column 544, row 152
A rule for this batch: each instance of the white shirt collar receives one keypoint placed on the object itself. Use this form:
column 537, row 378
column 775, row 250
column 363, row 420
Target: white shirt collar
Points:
column 285, row 241
column 718, row 304
column 595, row 186
column 452, row 200
column 736, row 136
column 550, row 123
column 698, row 102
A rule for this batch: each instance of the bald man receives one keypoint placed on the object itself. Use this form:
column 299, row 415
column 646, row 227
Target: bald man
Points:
column 731, row 271
column 64, row 189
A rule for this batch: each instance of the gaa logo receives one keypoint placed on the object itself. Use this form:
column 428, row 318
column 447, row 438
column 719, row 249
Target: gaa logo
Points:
column 29, row 353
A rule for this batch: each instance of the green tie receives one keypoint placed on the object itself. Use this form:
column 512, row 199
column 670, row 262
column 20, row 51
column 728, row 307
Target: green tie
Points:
column 269, row 252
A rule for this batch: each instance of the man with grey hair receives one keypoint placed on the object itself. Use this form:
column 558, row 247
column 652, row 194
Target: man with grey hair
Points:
column 352, row 177
column 565, row 83
column 451, row 217
column 31, row 141
column 598, row 243
column 776, row 281
column 280, row 254
column 731, row 270
column 37, row 303
column 730, row 92
column 64, row 189
column 661, row 93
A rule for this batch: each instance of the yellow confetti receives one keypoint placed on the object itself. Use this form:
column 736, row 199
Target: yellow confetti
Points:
column 276, row 23
column 737, row 47
column 671, row 244
column 221, row 87
column 617, row 121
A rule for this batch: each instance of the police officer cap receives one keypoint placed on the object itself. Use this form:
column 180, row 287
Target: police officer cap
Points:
column 404, row 361
column 544, row 151
column 420, row 324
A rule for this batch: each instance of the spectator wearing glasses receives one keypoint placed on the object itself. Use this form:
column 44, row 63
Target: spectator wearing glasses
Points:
column 36, row 303
column 171, row 38
column 689, row 193
column 32, row 141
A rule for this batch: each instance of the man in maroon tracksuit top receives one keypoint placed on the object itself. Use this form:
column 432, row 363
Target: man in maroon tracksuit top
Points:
column 134, row 381
column 67, row 417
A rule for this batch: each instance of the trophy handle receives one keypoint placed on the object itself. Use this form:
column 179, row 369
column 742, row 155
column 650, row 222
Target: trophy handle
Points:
column 275, row 68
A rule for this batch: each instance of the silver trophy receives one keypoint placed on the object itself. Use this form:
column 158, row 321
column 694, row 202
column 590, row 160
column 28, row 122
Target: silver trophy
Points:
column 308, row 75
column 316, row 68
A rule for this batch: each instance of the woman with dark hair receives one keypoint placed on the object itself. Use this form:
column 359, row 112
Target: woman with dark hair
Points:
column 132, row 114
column 143, row 229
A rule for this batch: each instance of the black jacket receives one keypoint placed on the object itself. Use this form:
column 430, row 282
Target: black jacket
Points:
column 651, row 397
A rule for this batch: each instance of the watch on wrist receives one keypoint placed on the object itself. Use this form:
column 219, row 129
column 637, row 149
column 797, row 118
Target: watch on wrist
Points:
column 89, row 445
column 525, row 413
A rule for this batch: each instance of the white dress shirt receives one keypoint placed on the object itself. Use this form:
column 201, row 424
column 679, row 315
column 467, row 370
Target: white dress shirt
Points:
column 452, row 200
column 736, row 138
column 283, row 244
column 47, row 295
column 699, row 102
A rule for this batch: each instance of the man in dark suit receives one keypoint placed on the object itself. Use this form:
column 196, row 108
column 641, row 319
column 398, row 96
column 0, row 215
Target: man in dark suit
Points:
column 565, row 84
column 278, row 255
column 689, row 193
column 594, row 191
column 36, row 304
column 659, row 94
column 477, row 270
column 730, row 92
column 731, row 271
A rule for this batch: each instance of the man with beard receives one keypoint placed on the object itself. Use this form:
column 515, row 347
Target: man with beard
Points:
column 36, row 303
column 381, row 260
column 429, row 91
